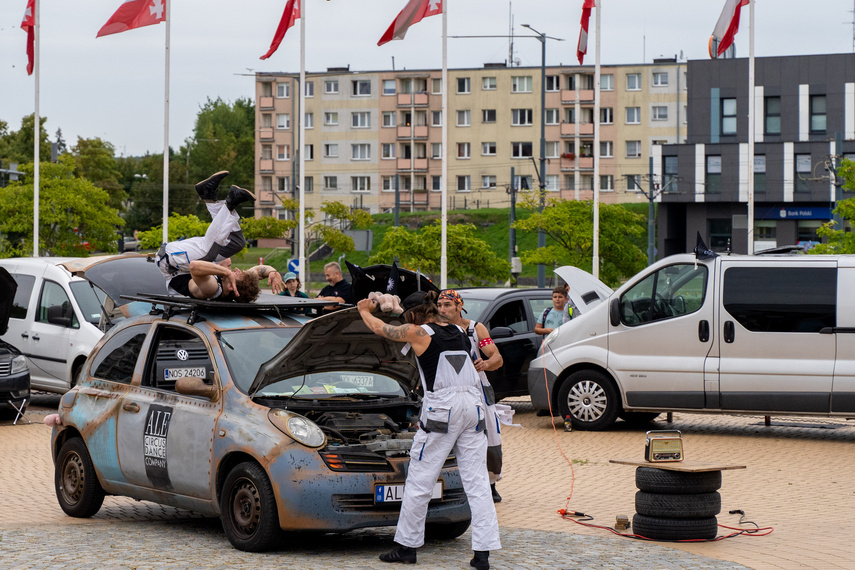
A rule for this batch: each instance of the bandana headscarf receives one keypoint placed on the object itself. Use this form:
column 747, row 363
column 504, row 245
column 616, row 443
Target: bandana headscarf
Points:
column 450, row 295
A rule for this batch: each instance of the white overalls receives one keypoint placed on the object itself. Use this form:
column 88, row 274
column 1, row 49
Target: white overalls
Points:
column 452, row 417
column 494, row 431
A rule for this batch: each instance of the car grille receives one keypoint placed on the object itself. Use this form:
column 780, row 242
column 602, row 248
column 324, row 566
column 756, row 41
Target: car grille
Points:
column 5, row 367
column 356, row 462
column 344, row 503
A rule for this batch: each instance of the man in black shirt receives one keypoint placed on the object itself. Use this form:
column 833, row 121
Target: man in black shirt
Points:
column 338, row 290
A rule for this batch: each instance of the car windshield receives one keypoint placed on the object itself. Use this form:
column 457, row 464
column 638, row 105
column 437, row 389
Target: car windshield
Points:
column 474, row 307
column 89, row 298
column 247, row 349
column 322, row 385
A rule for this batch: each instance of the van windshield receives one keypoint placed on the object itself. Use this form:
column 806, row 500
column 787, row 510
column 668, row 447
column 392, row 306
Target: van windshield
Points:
column 89, row 298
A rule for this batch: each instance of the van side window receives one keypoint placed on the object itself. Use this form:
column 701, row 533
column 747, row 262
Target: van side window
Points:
column 22, row 296
column 178, row 353
column 781, row 299
column 54, row 301
column 672, row 291
column 118, row 357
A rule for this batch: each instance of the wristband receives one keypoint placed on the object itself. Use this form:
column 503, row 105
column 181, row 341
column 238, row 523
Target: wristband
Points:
column 484, row 342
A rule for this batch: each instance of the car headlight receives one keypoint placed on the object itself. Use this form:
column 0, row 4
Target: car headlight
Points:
column 299, row 428
column 19, row 364
column 550, row 338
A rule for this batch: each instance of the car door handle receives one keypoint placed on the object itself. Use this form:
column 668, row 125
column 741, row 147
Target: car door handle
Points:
column 729, row 332
column 25, row 335
column 704, row 331
column 131, row 407
column 36, row 336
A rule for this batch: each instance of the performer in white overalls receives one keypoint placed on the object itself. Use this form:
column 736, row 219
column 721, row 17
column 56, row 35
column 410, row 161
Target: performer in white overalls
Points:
column 452, row 418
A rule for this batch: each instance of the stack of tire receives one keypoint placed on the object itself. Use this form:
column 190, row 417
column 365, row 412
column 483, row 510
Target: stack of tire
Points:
column 676, row 505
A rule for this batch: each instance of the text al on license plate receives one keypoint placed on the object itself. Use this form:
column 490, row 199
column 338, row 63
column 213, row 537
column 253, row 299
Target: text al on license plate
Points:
column 175, row 373
column 395, row 493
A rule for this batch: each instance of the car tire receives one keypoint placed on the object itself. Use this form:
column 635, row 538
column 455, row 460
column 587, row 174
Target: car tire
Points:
column 652, row 480
column 446, row 531
column 674, row 529
column 694, row 506
column 591, row 400
column 77, row 487
column 248, row 509
column 638, row 418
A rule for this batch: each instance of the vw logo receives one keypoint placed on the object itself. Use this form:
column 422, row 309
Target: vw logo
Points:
column 182, row 354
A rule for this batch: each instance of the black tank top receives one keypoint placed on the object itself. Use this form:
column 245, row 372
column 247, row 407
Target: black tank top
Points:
column 444, row 338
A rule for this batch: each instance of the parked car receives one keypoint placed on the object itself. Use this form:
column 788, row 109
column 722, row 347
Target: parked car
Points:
column 733, row 334
column 58, row 316
column 130, row 243
column 14, row 375
column 251, row 413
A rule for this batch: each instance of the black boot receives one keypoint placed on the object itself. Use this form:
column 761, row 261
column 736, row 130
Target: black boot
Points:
column 207, row 189
column 402, row 554
column 237, row 196
column 497, row 498
column 481, row 560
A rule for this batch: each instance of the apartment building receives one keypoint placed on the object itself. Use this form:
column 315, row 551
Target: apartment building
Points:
column 368, row 133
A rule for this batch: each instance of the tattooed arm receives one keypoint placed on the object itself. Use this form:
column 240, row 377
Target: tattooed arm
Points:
column 274, row 279
column 414, row 334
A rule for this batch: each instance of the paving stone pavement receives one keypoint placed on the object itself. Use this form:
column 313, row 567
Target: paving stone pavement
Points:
column 800, row 479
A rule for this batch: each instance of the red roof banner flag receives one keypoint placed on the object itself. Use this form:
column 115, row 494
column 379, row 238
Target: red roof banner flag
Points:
column 727, row 25
column 289, row 16
column 29, row 25
column 134, row 14
column 582, row 48
column 412, row 13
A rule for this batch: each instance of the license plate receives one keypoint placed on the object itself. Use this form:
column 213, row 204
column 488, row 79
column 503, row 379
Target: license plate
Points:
column 395, row 493
column 175, row 373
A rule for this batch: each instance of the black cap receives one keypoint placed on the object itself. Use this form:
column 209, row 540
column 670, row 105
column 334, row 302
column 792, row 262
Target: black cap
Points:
column 413, row 300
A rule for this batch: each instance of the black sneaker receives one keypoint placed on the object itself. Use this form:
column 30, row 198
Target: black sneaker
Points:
column 497, row 498
column 402, row 554
column 481, row 560
column 237, row 196
column 207, row 189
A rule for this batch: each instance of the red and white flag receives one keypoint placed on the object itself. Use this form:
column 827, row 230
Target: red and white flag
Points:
column 289, row 16
column 134, row 14
column 412, row 13
column 727, row 25
column 582, row 48
column 29, row 26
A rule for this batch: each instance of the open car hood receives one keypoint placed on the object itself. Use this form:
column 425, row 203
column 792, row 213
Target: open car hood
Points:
column 586, row 291
column 364, row 280
column 339, row 341
column 8, row 287
column 129, row 274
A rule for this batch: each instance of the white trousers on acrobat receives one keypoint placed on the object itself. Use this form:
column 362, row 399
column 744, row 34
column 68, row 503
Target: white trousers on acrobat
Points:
column 428, row 454
column 224, row 222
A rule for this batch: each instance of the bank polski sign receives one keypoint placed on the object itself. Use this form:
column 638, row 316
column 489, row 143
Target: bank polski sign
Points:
column 793, row 213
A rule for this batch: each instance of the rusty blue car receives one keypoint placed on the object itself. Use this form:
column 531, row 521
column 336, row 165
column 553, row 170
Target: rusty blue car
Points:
column 252, row 413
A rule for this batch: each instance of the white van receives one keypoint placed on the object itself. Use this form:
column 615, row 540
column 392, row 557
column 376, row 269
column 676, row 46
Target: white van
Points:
column 735, row 334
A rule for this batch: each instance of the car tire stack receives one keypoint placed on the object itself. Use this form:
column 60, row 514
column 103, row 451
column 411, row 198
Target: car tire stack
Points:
column 676, row 505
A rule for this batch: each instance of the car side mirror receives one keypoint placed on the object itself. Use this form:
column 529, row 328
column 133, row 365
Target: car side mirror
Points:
column 56, row 316
column 501, row 332
column 193, row 386
column 614, row 312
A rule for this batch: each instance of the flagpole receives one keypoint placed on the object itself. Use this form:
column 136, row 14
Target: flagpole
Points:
column 443, row 259
column 595, row 262
column 37, row 127
column 166, row 128
column 301, row 252
column 751, row 111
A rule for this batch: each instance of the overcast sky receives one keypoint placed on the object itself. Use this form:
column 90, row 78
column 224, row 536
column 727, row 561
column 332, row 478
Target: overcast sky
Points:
column 113, row 87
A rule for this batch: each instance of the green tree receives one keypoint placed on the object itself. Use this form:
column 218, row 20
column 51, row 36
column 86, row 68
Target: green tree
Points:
column 180, row 227
column 569, row 224
column 836, row 240
column 470, row 259
column 96, row 161
column 17, row 146
column 72, row 210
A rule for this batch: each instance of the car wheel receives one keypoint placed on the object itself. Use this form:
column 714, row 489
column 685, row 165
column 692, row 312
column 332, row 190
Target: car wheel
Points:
column 694, row 506
column 674, row 529
column 653, row 480
column 591, row 400
column 77, row 488
column 248, row 509
column 638, row 418
column 446, row 531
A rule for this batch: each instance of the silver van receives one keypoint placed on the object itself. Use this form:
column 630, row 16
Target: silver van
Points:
column 734, row 334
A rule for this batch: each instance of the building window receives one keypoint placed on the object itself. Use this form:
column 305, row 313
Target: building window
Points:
column 436, row 118
column 266, row 90
column 308, row 184
column 309, row 118
column 330, row 150
column 633, row 82
column 462, row 85
column 436, row 85
column 804, row 169
column 521, row 150
column 283, row 90
column 388, row 118
column 488, row 149
column 488, row 83
column 670, row 169
column 633, row 182
column 806, row 232
column 553, row 149
column 488, row 115
column 309, row 151
column 607, row 116
column 607, row 182
column 436, row 150
column 633, row 149
column 360, row 183
column 387, row 150
column 552, row 117
column 607, row 82
column 283, row 121
column 331, row 86
column 713, row 175
column 266, row 152
column 728, row 116
column 659, row 113
column 388, row 87
column 553, row 83
column 633, row 115
column 387, row 183
column 310, row 89
column 283, row 184
column 267, row 184
column 720, row 233
column 463, row 150
column 267, row 120
column 660, row 79
column 552, row 184
column 435, row 182
column 463, row 184
column 772, row 110
column 361, row 87
column 817, row 114
column 361, row 151
column 463, row 118
column 488, row 181
column 607, row 149
column 759, row 174
column 521, row 84
column 330, row 182
column 521, row 117
column 331, row 118
column 283, row 152
column 360, row 120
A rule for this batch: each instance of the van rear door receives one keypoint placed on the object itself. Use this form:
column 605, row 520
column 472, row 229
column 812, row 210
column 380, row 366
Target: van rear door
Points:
column 843, row 393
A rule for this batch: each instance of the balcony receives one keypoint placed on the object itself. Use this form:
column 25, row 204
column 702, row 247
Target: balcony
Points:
column 265, row 165
column 265, row 133
column 568, row 129
column 265, row 102
column 421, row 132
column 418, row 164
column 265, row 197
column 586, row 129
column 585, row 162
column 410, row 99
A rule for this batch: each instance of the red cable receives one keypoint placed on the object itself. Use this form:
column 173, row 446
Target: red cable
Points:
column 555, row 431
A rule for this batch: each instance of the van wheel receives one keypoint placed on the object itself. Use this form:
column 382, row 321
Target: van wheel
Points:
column 591, row 400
